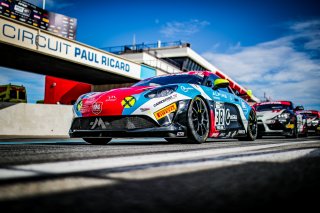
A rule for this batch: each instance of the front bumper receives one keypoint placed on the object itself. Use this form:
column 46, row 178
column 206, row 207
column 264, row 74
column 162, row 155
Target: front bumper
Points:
column 123, row 126
column 275, row 127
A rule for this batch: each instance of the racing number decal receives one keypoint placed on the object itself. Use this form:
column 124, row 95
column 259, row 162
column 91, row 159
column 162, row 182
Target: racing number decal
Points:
column 223, row 116
column 220, row 115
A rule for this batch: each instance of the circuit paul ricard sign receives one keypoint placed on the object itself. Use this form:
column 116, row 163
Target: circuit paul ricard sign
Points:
column 40, row 41
column 30, row 14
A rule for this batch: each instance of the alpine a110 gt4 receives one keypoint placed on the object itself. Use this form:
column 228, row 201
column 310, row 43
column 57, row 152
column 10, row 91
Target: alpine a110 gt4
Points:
column 186, row 108
column 276, row 118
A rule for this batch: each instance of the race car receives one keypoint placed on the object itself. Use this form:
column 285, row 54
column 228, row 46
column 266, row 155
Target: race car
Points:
column 313, row 120
column 276, row 118
column 185, row 108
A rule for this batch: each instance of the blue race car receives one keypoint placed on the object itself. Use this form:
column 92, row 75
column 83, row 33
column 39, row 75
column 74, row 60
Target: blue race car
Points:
column 186, row 108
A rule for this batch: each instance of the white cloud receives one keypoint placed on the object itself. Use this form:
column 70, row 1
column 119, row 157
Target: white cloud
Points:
column 283, row 68
column 187, row 28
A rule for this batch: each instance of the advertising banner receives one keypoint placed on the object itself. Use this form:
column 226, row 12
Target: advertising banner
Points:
column 30, row 14
column 42, row 42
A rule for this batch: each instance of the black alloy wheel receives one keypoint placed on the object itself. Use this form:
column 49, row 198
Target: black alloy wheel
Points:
column 252, row 131
column 198, row 121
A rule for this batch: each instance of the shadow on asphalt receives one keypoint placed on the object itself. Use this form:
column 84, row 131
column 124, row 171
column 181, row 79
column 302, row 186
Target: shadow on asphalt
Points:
column 251, row 187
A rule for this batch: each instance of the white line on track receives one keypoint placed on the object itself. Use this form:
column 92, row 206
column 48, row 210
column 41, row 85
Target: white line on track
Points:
column 139, row 168
column 116, row 162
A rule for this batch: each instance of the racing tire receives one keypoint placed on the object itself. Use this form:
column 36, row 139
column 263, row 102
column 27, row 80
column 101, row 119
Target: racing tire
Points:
column 97, row 141
column 252, row 132
column 198, row 121
column 259, row 136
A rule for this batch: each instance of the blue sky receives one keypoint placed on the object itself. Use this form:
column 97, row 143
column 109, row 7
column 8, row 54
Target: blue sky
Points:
column 270, row 46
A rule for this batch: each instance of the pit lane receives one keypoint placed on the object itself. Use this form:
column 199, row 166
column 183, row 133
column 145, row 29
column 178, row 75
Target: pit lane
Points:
column 150, row 175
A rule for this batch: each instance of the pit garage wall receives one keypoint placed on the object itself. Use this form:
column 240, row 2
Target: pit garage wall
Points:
column 35, row 121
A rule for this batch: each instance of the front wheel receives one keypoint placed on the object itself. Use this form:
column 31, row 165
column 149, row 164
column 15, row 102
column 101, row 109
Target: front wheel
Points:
column 252, row 130
column 294, row 131
column 97, row 141
column 198, row 121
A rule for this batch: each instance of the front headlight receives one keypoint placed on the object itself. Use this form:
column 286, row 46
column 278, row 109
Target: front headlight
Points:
column 161, row 92
column 282, row 116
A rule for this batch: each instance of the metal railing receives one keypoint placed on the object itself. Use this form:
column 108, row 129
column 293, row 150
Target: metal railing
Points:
column 141, row 47
column 162, row 66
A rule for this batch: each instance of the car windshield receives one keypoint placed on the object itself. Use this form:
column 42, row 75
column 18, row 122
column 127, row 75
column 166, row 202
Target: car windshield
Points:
column 271, row 107
column 171, row 79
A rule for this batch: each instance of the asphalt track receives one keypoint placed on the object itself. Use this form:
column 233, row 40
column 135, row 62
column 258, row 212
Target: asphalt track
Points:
column 150, row 175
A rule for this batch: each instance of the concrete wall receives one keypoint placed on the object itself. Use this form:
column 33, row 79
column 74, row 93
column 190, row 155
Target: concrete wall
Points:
column 35, row 121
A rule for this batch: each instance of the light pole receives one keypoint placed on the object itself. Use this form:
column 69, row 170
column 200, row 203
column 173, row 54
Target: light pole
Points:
column 43, row 4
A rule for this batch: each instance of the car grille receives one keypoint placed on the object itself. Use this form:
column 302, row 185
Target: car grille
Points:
column 113, row 123
column 276, row 126
column 261, row 128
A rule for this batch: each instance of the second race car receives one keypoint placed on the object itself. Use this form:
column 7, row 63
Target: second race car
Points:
column 187, row 107
column 313, row 120
column 276, row 118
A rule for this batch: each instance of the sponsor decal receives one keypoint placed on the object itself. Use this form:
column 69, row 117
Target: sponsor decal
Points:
column 216, row 134
column 79, row 105
column 290, row 126
column 233, row 117
column 97, row 107
column 165, row 100
column 241, row 131
column 186, row 89
column 165, row 111
column 144, row 109
column 220, row 116
column 228, row 117
column 180, row 134
column 111, row 98
column 99, row 123
column 216, row 93
column 244, row 106
column 128, row 102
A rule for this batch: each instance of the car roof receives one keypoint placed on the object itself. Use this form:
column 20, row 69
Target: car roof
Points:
column 289, row 103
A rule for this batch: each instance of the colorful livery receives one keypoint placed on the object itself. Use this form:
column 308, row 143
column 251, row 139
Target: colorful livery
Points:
column 187, row 107
column 276, row 118
column 313, row 120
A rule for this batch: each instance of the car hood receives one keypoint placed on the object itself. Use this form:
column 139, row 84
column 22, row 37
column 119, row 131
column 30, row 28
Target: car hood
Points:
column 265, row 115
column 111, row 102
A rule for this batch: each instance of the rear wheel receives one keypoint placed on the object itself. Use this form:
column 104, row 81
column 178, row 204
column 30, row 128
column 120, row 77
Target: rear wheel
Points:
column 198, row 121
column 252, row 131
column 97, row 141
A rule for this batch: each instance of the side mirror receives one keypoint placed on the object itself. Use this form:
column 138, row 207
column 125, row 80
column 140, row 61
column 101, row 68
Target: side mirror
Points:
column 220, row 83
column 299, row 108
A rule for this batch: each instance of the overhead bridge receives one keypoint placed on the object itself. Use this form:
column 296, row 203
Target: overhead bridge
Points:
column 27, row 48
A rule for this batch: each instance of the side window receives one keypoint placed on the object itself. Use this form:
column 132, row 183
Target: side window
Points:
column 224, row 89
column 212, row 78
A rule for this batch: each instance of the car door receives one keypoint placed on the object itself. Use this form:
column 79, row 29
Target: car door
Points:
column 227, row 106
